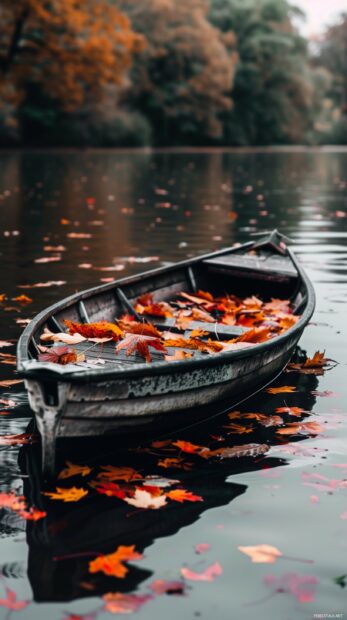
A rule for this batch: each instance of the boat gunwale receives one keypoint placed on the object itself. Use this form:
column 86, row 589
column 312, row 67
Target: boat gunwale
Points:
column 53, row 372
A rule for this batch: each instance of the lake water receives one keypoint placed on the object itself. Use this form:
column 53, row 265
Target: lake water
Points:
column 102, row 215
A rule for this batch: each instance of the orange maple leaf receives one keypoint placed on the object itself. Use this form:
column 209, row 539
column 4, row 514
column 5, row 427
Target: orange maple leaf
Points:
column 139, row 343
column 22, row 299
column 300, row 427
column 257, row 334
column 109, row 472
column 112, row 564
column 103, row 329
column 137, row 327
column 176, row 463
column 238, row 428
column 67, row 495
column 186, row 446
column 295, row 411
column 181, row 495
column 74, row 470
column 280, row 390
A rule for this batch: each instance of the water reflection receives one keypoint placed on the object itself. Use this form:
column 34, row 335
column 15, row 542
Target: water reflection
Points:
column 106, row 210
column 62, row 544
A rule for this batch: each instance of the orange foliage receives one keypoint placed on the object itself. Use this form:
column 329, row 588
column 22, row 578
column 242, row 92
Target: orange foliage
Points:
column 95, row 330
column 112, row 564
column 72, row 50
column 181, row 495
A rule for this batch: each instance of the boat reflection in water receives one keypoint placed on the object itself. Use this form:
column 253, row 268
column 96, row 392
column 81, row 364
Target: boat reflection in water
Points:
column 62, row 544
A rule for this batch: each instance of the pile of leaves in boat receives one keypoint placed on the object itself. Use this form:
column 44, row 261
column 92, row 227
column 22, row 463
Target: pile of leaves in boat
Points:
column 260, row 321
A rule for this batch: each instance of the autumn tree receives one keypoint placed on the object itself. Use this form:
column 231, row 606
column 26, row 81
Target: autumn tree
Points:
column 183, row 77
column 67, row 49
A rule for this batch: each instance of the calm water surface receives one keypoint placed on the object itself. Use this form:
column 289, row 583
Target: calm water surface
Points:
column 102, row 215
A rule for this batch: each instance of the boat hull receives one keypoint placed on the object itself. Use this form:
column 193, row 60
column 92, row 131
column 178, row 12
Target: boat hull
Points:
column 103, row 407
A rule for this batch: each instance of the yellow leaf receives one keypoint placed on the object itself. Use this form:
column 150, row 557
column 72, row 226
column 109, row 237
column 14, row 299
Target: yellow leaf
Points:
column 67, row 495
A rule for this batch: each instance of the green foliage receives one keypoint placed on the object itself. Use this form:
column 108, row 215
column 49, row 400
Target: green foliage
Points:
column 272, row 90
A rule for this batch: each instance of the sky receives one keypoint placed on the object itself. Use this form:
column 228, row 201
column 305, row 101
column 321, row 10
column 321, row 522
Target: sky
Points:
column 320, row 13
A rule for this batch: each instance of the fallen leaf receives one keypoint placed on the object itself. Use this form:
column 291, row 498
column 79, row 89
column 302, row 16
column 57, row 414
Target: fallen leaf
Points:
column 60, row 355
column 180, row 495
column 18, row 440
column 186, row 446
column 262, row 553
column 282, row 389
column 250, row 449
column 137, row 327
column 314, row 365
column 176, row 463
column 11, row 602
column 238, row 429
column 295, row 411
column 144, row 499
column 300, row 427
column 43, row 284
column 72, row 494
column 202, row 548
column 112, row 564
column 302, row 588
column 5, row 343
column 48, row 259
column 48, row 336
column 141, row 344
column 160, row 586
column 22, row 299
column 119, row 603
column 209, row 574
column 111, row 489
column 10, row 382
column 102, row 329
column 178, row 355
column 74, row 470
column 109, row 472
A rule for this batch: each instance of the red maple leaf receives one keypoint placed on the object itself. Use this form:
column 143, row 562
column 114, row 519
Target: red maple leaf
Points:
column 140, row 343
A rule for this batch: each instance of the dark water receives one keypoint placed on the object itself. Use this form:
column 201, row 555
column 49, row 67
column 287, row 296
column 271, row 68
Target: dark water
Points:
column 136, row 211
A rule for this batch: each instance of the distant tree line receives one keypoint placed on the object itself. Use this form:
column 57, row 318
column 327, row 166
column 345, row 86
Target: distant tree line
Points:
column 168, row 73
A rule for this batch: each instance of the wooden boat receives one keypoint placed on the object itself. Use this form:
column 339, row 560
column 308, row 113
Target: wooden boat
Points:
column 85, row 400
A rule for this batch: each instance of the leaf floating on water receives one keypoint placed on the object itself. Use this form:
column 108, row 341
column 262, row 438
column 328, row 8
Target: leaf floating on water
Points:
column 312, row 366
column 177, row 588
column 302, row 588
column 109, row 472
column 209, row 574
column 18, row 440
column 202, row 548
column 295, row 411
column 300, row 427
column 74, row 470
column 262, row 553
column 186, row 446
column 141, row 344
column 282, row 389
column 18, row 505
column 22, row 299
column 250, row 449
column 113, row 563
column 5, row 343
column 175, row 463
column 11, row 602
column 144, row 499
column 119, row 603
column 181, row 495
column 73, row 494
column 10, row 382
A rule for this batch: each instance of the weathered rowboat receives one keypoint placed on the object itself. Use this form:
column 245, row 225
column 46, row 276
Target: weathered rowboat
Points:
column 78, row 400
